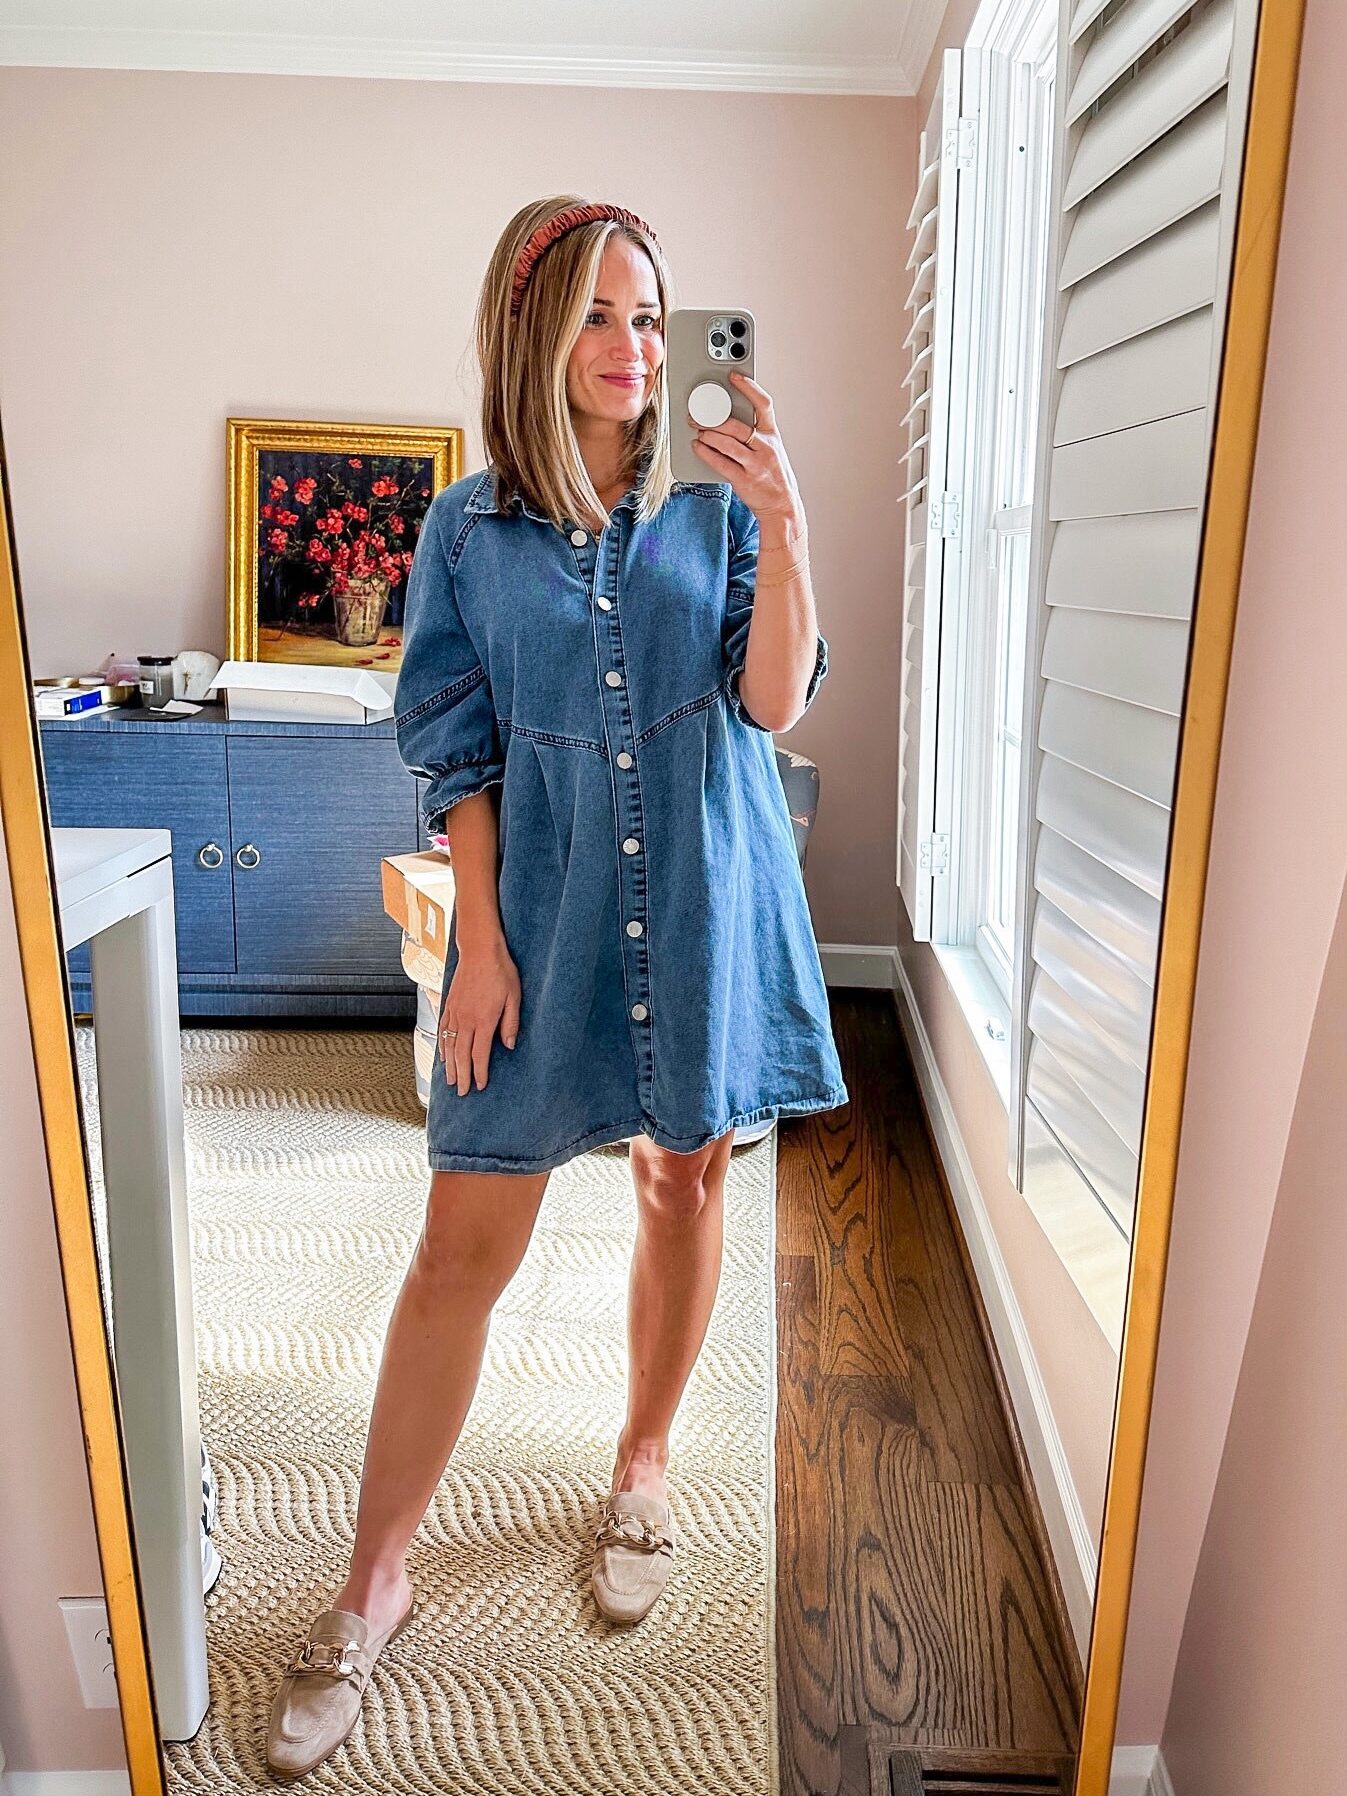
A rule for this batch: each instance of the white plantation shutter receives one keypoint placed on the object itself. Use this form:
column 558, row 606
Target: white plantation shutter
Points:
column 1150, row 126
column 941, row 303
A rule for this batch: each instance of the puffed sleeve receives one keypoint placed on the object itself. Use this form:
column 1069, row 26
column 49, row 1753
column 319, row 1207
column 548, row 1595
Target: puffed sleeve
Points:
column 444, row 713
column 743, row 575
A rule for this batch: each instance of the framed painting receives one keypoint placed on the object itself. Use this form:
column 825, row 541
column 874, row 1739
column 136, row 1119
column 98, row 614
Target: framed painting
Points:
column 323, row 523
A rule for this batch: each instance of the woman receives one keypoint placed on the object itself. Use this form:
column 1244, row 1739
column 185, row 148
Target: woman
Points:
column 594, row 658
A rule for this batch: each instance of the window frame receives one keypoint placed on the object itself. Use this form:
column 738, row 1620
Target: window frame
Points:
column 1010, row 452
column 1003, row 337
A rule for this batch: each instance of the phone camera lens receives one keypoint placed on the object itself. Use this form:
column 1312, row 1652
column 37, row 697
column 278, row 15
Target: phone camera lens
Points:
column 717, row 339
column 738, row 351
column 737, row 327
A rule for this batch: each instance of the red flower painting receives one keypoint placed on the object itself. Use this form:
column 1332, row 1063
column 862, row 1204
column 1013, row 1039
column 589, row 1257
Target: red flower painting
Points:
column 323, row 540
column 335, row 542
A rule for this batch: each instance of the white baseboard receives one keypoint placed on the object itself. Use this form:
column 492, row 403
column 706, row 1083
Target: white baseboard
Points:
column 65, row 1783
column 1139, row 1771
column 1069, row 1534
column 857, row 963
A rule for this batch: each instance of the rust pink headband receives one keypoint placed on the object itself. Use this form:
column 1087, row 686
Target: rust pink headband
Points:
column 557, row 226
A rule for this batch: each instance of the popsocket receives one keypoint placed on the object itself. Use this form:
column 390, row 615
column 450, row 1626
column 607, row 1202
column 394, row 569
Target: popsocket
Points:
column 709, row 404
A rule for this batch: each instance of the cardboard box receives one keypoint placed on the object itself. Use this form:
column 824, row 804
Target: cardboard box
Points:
column 423, row 966
column 418, row 891
column 279, row 692
column 423, row 1054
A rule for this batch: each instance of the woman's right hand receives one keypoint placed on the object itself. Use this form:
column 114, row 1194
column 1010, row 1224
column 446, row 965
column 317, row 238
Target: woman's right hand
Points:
column 483, row 995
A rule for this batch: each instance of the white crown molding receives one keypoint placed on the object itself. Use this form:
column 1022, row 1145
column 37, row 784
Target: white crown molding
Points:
column 921, row 28
column 277, row 53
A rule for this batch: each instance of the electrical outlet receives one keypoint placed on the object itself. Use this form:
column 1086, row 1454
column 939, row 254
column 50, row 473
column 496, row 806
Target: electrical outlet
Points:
column 86, row 1624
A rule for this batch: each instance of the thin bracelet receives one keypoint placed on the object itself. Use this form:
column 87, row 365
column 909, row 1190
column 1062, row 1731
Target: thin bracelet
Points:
column 798, row 549
column 782, row 576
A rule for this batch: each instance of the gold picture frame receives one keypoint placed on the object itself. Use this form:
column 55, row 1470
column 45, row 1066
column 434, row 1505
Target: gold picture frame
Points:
column 323, row 521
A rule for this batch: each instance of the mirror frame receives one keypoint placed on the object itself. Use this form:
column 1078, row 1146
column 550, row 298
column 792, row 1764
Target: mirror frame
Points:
column 51, row 1025
column 1267, row 141
column 28, row 844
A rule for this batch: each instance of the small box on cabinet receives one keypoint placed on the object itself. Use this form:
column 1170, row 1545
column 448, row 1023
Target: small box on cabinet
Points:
column 281, row 692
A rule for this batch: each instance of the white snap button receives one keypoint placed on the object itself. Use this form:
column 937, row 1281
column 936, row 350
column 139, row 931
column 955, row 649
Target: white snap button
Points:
column 613, row 679
column 635, row 928
column 709, row 404
column 578, row 537
column 640, row 1012
column 631, row 845
column 604, row 604
column 624, row 759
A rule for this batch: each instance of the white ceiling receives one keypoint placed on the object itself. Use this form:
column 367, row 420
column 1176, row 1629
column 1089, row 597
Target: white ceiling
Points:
column 780, row 46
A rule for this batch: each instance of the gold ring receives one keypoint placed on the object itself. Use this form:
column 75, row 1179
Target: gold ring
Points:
column 752, row 433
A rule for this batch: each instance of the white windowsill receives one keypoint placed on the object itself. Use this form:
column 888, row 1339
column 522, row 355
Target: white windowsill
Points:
column 1089, row 1245
column 984, row 1007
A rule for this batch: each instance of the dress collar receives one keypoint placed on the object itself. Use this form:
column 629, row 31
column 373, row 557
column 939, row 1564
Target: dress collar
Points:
column 483, row 495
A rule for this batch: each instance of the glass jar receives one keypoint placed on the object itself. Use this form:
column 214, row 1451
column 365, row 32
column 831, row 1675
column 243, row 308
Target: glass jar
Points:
column 156, row 680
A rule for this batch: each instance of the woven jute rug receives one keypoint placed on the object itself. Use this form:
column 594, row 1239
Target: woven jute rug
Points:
column 307, row 1182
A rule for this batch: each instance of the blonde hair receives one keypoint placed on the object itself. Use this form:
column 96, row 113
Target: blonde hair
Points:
column 526, row 421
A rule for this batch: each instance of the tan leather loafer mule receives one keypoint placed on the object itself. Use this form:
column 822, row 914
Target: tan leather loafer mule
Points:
column 318, row 1700
column 633, row 1553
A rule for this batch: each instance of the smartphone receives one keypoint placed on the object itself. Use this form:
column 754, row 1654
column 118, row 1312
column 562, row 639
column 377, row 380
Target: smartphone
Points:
column 701, row 346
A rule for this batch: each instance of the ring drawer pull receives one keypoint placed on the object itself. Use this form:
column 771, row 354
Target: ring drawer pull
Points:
column 248, row 849
column 212, row 855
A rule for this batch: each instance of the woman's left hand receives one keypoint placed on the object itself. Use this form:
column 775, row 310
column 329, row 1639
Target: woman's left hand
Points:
column 757, row 470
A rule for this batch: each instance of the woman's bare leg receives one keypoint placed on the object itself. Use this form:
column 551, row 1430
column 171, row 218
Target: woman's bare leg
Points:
column 476, row 1229
column 675, row 1273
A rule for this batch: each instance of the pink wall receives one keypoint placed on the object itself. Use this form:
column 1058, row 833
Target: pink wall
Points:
column 170, row 255
column 1279, row 853
column 1258, row 1692
column 174, row 248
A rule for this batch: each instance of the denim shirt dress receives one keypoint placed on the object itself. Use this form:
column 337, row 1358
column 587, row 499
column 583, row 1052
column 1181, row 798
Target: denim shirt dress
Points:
column 650, row 890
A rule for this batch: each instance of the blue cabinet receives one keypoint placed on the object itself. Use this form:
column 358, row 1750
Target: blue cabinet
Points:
column 278, row 831
column 308, row 897
column 131, row 781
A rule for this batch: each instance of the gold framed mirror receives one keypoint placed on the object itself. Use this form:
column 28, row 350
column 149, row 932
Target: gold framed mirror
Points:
column 1271, row 108
column 1273, row 50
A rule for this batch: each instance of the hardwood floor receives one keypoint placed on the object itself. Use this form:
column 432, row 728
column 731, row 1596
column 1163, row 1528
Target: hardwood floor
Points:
column 915, row 1603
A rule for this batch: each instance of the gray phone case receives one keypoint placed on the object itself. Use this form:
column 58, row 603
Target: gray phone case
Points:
column 689, row 359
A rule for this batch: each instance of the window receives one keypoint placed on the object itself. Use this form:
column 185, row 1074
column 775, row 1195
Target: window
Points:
column 978, row 302
column 1049, row 587
column 999, row 580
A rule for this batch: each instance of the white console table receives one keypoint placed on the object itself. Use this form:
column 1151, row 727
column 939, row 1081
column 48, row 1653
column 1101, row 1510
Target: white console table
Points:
column 115, row 891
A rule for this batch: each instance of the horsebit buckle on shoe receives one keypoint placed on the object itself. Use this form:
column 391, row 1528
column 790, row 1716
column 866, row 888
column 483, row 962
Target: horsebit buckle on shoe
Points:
column 325, row 1655
column 617, row 1530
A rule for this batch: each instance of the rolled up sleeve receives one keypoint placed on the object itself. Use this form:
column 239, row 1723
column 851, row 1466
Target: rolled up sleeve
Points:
column 739, row 596
column 444, row 712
